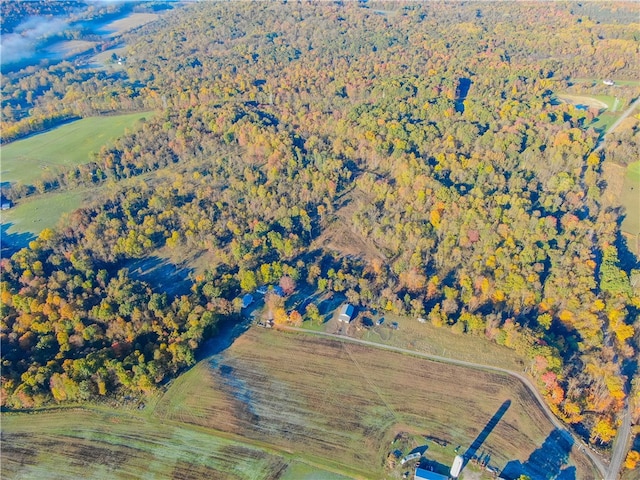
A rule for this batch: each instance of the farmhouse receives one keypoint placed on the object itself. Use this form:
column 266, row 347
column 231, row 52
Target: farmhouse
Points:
column 346, row 313
column 422, row 474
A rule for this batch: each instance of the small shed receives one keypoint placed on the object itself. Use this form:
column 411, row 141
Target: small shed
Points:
column 247, row 300
column 346, row 313
column 422, row 474
column 5, row 204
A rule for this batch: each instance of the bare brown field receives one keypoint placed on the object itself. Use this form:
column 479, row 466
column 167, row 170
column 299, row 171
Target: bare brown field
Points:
column 342, row 405
column 590, row 102
column 130, row 22
column 72, row 47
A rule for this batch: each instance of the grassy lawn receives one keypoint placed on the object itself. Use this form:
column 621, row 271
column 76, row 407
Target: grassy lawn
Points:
column 633, row 172
column 630, row 199
column 34, row 214
column 341, row 405
column 603, row 122
column 29, row 159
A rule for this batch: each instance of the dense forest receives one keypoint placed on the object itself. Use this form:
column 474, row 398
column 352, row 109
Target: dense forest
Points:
column 429, row 134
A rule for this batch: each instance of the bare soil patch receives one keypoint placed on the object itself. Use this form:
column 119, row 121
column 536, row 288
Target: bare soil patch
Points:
column 590, row 102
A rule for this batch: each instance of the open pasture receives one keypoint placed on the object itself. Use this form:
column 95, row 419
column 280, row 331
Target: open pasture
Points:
column 104, row 445
column 34, row 214
column 341, row 405
column 134, row 20
column 31, row 158
column 623, row 188
column 630, row 199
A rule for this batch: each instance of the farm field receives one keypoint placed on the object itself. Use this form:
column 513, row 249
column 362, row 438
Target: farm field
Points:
column 630, row 199
column 411, row 334
column 134, row 20
column 36, row 213
column 27, row 160
column 587, row 101
column 342, row 405
column 623, row 188
column 116, row 445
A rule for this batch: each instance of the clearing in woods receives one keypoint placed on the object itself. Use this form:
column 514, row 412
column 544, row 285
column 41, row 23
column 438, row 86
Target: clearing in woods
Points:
column 623, row 188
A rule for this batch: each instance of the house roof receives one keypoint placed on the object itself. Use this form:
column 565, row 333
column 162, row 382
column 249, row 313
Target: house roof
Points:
column 347, row 311
column 422, row 474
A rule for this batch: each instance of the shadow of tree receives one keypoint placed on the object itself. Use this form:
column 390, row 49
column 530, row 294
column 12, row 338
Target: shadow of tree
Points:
column 547, row 461
column 161, row 274
column 10, row 243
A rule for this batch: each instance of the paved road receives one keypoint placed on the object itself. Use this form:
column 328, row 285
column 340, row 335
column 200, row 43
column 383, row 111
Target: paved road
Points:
column 624, row 432
column 621, row 443
column 594, row 458
column 617, row 123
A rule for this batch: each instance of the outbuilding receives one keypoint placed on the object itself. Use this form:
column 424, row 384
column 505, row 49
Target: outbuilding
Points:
column 422, row 474
column 346, row 313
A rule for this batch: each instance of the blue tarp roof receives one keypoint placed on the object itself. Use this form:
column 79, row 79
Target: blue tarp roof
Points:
column 423, row 474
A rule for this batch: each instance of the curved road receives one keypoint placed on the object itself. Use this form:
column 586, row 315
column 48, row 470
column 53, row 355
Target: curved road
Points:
column 624, row 432
column 617, row 123
column 592, row 456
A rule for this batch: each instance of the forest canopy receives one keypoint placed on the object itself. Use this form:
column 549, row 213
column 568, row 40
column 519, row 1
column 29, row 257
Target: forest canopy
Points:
column 429, row 133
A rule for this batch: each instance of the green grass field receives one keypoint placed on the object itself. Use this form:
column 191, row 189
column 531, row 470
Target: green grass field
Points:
column 630, row 199
column 33, row 215
column 29, row 159
column 633, row 172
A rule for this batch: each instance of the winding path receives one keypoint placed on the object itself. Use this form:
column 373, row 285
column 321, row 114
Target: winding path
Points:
column 608, row 475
